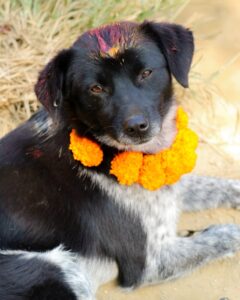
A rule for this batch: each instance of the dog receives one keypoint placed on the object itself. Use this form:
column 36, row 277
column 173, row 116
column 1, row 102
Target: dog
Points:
column 65, row 228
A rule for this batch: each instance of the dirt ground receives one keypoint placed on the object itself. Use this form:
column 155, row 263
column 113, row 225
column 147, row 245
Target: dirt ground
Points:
column 215, row 24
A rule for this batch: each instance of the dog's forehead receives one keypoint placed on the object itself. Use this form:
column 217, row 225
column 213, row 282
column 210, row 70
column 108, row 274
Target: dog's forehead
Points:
column 109, row 40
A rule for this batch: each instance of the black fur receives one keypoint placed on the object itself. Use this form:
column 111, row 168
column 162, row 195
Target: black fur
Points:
column 56, row 211
column 43, row 201
column 50, row 290
column 31, row 279
column 177, row 45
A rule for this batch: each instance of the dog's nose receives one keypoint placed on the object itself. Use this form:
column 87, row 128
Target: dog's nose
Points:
column 136, row 125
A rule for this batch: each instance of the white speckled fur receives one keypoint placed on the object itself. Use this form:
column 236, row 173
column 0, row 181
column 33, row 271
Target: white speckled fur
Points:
column 82, row 274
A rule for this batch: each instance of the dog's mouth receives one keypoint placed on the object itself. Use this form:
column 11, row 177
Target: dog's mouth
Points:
column 159, row 139
column 137, row 140
column 152, row 144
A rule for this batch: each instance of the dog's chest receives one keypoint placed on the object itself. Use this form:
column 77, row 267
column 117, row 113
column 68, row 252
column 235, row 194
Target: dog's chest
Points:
column 157, row 210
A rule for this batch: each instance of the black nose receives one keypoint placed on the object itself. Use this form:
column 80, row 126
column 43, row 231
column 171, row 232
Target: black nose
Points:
column 136, row 125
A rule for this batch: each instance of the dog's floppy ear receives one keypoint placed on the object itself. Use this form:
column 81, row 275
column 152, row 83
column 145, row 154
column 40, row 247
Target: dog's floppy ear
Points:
column 50, row 83
column 177, row 45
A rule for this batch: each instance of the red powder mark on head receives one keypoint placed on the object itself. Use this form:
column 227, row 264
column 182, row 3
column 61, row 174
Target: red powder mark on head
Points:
column 102, row 43
column 116, row 35
column 103, row 46
column 100, row 40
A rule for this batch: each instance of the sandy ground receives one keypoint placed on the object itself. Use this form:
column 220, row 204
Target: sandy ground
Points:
column 215, row 24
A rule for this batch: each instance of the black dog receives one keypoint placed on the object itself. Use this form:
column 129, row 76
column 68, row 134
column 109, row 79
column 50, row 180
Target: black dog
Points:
column 66, row 228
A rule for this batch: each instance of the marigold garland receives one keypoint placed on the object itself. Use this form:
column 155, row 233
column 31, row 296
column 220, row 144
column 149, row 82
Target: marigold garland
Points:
column 152, row 171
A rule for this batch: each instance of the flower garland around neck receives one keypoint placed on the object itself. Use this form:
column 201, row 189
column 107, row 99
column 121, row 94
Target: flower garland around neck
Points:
column 152, row 171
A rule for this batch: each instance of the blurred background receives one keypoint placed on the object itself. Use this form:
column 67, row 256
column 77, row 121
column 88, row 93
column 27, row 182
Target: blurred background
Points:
column 32, row 31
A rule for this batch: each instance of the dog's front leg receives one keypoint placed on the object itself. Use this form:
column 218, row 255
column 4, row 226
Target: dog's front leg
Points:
column 179, row 256
column 200, row 192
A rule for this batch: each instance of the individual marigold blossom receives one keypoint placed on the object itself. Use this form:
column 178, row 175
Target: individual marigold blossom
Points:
column 181, row 118
column 171, row 162
column 85, row 150
column 152, row 175
column 125, row 166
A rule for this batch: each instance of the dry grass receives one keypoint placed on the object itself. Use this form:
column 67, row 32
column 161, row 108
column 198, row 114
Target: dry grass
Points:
column 32, row 31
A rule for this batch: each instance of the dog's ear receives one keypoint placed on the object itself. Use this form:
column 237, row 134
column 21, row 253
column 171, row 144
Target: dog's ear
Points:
column 51, row 80
column 177, row 45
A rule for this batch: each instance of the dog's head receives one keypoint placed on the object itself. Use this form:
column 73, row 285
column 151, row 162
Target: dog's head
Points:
column 115, row 82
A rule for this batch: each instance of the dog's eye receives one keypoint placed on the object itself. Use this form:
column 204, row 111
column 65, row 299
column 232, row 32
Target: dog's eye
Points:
column 96, row 89
column 146, row 73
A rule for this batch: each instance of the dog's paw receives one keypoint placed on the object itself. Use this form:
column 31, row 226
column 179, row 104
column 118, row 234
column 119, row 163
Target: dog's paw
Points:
column 222, row 239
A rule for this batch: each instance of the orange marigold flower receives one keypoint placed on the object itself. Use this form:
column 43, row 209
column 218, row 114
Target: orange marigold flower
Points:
column 85, row 150
column 172, row 164
column 181, row 119
column 152, row 175
column 125, row 166
column 185, row 138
